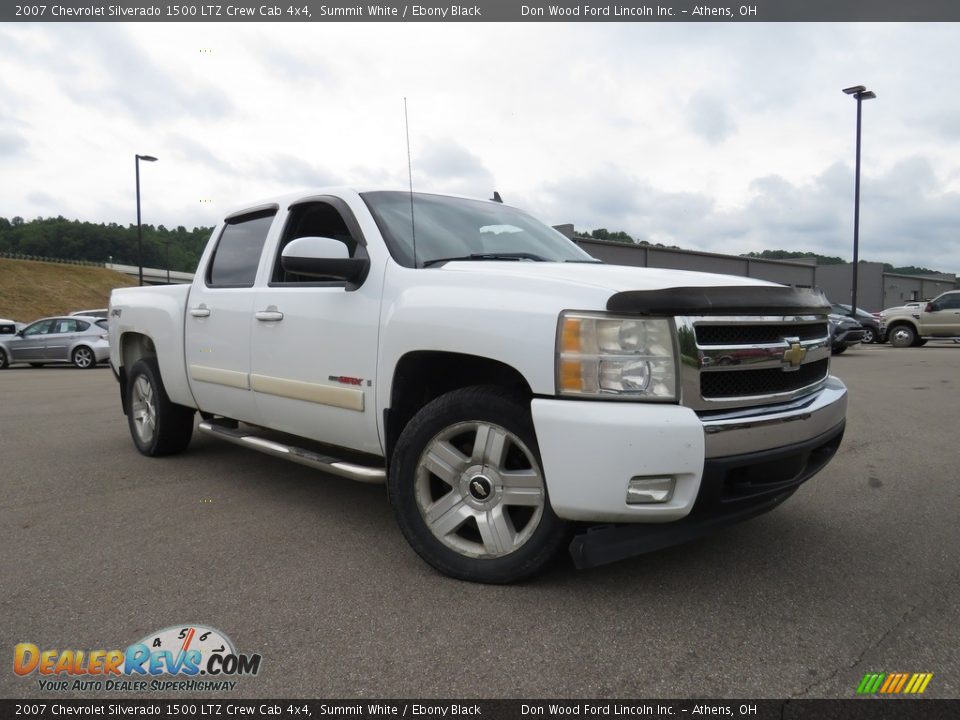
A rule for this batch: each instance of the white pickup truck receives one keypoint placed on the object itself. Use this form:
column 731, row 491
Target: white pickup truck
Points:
column 514, row 394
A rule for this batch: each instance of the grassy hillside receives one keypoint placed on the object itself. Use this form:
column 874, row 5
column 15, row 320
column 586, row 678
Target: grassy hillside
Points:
column 30, row 290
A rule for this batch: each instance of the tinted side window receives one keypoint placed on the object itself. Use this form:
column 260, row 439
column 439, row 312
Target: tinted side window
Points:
column 104, row 324
column 949, row 302
column 237, row 256
column 7, row 329
column 318, row 219
column 39, row 328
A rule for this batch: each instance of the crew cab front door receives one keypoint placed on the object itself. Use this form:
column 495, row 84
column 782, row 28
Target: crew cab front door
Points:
column 943, row 320
column 314, row 341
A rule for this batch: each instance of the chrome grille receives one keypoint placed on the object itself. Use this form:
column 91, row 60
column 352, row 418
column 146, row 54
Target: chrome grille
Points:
column 750, row 334
column 743, row 361
column 715, row 385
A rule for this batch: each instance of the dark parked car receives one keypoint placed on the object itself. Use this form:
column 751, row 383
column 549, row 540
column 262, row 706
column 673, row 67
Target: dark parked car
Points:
column 844, row 332
column 871, row 325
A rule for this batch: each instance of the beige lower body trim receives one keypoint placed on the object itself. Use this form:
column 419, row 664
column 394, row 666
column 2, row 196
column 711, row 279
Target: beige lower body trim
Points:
column 230, row 378
column 346, row 398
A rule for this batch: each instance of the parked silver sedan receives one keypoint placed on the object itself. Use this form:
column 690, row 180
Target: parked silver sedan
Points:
column 80, row 340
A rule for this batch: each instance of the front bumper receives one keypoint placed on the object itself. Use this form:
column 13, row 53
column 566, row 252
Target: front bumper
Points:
column 733, row 489
column 591, row 450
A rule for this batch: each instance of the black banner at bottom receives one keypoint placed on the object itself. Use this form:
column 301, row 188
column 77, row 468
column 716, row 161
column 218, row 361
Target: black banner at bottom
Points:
column 854, row 709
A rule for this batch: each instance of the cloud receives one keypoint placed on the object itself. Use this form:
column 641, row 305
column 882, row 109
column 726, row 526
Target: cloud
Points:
column 707, row 116
column 12, row 144
column 907, row 218
column 102, row 65
column 447, row 164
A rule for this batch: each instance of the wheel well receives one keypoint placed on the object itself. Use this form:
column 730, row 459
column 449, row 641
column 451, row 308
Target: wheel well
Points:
column 133, row 347
column 898, row 323
column 423, row 376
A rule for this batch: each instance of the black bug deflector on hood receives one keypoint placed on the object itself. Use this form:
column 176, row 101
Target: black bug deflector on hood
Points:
column 750, row 300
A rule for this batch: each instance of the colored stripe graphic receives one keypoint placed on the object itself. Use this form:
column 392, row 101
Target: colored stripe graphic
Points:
column 894, row 683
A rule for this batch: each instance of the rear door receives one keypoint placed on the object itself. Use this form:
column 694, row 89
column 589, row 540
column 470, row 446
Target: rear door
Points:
column 219, row 315
column 58, row 341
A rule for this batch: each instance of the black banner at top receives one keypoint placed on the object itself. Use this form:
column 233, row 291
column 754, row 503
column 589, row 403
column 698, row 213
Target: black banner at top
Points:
column 484, row 11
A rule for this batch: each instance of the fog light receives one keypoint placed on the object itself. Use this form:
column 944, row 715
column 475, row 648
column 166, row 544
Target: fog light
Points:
column 645, row 490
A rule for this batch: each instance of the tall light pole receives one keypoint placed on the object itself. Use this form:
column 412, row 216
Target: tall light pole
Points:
column 145, row 158
column 860, row 93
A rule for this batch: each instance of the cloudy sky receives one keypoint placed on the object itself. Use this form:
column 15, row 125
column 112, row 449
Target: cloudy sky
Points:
column 716, row 136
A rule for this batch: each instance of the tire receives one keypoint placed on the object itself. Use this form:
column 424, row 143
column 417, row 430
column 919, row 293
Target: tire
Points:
column 868, row 336
column 4, row 363
column 902, row 336
column 468, row 489
column 157, row 426
column 83, row 358
column 36, row 364
column 839, row 350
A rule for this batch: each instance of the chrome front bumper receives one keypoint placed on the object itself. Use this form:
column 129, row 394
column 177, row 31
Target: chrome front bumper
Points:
column 771, row 426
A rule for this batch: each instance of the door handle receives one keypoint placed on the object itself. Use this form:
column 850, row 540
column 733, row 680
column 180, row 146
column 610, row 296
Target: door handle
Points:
column 271, row 314
column 200, row 311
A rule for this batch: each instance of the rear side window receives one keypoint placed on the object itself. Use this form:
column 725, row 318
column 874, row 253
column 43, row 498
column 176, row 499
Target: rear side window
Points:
column 235, row 260
column 103, row 324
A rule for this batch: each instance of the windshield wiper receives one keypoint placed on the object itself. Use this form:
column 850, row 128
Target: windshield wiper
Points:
column 486, row 256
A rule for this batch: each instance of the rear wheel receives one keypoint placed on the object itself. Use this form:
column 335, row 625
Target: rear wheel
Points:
column 83, row 358
column 868, row 336
column 3, row 359
column 158, row 426
column 468, row 489
column 902, row 336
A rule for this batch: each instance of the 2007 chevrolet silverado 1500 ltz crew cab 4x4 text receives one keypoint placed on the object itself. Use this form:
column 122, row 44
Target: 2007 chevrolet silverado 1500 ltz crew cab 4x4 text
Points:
column 515, row 394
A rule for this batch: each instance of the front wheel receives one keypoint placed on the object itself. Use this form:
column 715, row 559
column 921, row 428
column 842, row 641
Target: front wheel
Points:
column 468, row 489
column 868, row 336
column 158, row 426
column 902, row 336
column 838, row 350
column 3, row 359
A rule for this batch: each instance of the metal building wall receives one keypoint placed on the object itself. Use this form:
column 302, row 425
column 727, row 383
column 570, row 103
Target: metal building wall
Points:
column 788, row 273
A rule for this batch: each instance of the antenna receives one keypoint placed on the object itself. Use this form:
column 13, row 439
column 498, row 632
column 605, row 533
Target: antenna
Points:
column 413, row 225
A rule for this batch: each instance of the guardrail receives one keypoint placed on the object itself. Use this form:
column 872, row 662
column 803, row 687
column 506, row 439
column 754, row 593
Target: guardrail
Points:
column 41, row 258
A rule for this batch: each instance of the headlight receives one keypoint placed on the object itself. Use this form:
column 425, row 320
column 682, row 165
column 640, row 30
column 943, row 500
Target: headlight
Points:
column 628, row 358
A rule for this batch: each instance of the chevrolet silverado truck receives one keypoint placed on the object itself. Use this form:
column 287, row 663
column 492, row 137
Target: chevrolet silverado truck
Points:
column 938, row 319
column 515, row 395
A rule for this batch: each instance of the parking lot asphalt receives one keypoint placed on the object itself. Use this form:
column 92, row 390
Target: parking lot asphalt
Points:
column 858, row 572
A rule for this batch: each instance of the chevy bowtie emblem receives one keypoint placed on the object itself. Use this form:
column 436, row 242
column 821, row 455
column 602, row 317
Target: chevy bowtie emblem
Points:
column 794, row 355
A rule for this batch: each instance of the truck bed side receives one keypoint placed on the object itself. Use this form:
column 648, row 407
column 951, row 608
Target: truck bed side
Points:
column 148, row 321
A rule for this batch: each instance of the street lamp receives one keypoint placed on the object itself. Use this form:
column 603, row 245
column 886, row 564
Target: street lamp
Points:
column 145, row 158
column 860, row 93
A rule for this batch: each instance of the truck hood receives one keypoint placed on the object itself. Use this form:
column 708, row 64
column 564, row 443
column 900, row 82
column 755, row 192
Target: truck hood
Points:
column 652, row 291
column 615, row 278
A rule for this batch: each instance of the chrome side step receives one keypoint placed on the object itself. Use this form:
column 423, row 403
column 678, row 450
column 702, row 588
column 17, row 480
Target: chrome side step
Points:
column 325, row 463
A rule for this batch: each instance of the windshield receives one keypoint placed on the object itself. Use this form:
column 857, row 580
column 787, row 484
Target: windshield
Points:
column 448, row 227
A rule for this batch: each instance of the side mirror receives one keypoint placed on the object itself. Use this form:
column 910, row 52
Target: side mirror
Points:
column 322, row 257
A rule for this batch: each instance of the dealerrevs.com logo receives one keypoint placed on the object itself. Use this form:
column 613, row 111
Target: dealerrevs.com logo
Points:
column 179, row 657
